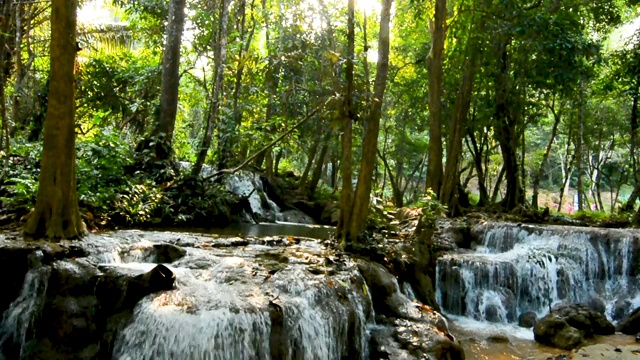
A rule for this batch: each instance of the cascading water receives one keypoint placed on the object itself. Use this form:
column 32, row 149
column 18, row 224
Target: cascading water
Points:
column 528, row 268
column 18, row 319
column 224, row 307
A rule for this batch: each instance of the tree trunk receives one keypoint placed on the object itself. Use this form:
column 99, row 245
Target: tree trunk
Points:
column 317, row 171
column 634, row 143
column 163, row 131
column 220, row 55
column 346, row 196
column 56, row 214
column 226, row 148
column 451, row 180
column 434, row 64
column 505, row 132
column 476, row 152
column 4, row 65
column 398, row 195
column 545, row 157
column 370, row 142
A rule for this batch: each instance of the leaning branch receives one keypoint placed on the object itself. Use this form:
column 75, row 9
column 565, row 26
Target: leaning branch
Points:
column 270, row 145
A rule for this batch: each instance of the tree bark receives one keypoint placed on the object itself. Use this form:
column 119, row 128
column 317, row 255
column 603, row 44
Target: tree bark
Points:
column 434, row 64
column 56, row 214
column 346, row 195
column 220, row 55
column 163, row 131
column 630, row 204
column 451, row 180
column 371, row 128
column 505, row 131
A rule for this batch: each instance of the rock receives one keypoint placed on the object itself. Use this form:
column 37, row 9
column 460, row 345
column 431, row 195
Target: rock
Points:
column 621, row 308
column 296, row 216
column 167, row 253
column 567, row 326
column 597, row 305
column 498, row 339
column 608, row 352
column 630, row 325
column 527, row 319
column 555, row 332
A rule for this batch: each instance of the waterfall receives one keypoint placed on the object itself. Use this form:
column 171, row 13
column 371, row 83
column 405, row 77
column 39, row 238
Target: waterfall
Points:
column 17, row 321
column 220, row 311
column 521, row 268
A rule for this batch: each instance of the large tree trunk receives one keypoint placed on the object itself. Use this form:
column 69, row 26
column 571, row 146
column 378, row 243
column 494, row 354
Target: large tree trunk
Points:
column 5, row 137
column 545, row 157
column 449, row 191
column 214, row 110
column 434, row 63
column 163, row 131
column 370, row 142
column 56, row 215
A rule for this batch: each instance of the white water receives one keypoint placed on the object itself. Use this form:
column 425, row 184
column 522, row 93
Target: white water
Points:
column 18, row 319
column 516, row 270
column 220, row 309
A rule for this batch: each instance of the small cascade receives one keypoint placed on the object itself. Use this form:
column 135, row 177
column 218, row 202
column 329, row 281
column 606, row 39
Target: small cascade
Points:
column 527, row 268
column 247, row 184
column 17, row 321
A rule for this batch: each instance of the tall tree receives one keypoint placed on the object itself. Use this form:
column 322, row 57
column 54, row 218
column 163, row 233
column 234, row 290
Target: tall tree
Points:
column 346, row 196
column 362, row 195
column 163, row 131
column 56, row 214
column 220, row 57
column 438, row 29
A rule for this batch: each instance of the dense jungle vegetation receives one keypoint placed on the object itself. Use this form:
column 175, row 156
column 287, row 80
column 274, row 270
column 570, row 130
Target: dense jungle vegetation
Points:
column 448, row 105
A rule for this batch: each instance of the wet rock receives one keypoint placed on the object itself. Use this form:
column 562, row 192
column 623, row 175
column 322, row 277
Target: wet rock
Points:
column 630, row 325
column 555, row 332
column 597, row 305
column 498, row 339
column 168, row 253
column 527, row 319
column 567, row 326
column 620, row 309
column 385, row 291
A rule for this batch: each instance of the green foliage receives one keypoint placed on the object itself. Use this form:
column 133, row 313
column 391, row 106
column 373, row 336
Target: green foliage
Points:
column 20, row 186
column 590, row 216
column 432, row 209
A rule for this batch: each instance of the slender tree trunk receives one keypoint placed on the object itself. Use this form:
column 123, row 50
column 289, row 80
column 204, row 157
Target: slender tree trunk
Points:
column 434, row 64
column 317, row 171
column 214, row 110
column 225, row 149
column 165, row 126
column 545, row 157
column 56, row 214
column 496, row 189
column 451, row 182
column 630, row 204
column 5, row 140
column 505, row 131
column 346, row 196
column 372, row 127
column 476, row 152
column 579, row 157
column 312, row 155
column 398, row 195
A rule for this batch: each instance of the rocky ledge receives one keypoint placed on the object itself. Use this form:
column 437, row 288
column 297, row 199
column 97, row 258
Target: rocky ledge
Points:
column 161, row 295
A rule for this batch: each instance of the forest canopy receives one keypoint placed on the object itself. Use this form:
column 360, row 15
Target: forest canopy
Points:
column 467, row 104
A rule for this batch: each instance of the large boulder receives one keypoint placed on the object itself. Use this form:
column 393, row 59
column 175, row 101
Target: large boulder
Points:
column 567, row 326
